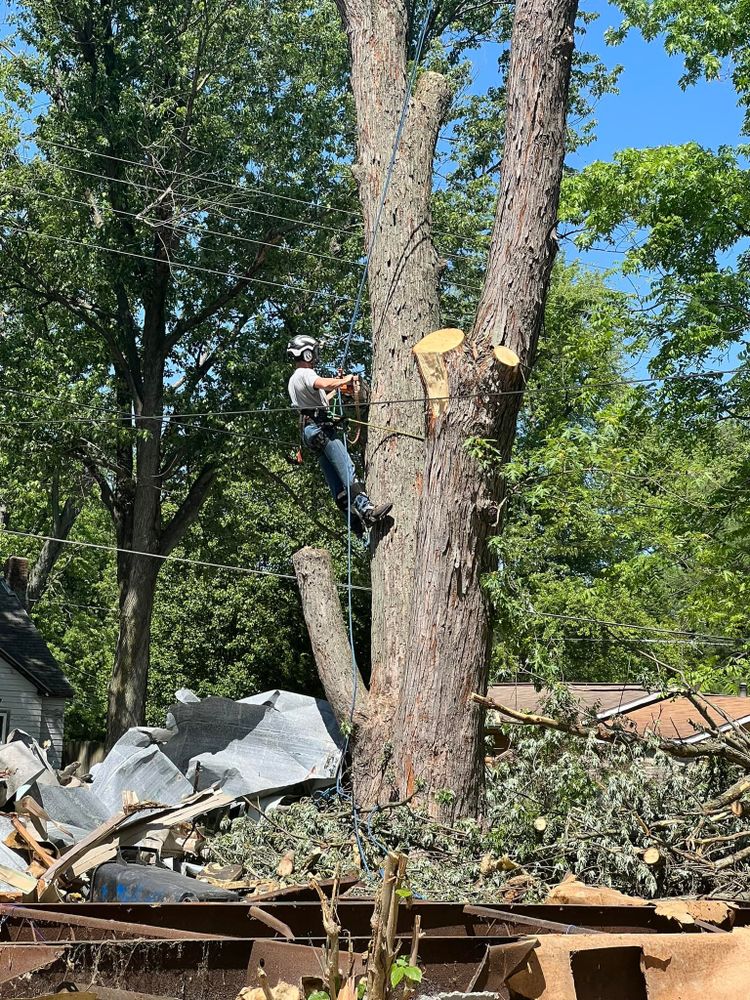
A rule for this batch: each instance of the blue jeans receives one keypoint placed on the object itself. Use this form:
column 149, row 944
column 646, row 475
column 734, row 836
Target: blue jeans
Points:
column 337, row 467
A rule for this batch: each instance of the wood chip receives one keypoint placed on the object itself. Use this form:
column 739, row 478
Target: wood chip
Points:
column 286, row 865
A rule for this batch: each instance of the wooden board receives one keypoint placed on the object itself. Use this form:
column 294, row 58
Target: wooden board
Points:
column 440, row 341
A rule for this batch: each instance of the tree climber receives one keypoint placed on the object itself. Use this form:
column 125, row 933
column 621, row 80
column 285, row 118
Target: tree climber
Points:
column 310, row 394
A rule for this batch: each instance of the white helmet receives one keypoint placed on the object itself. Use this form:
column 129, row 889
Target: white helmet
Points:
column 303, row 348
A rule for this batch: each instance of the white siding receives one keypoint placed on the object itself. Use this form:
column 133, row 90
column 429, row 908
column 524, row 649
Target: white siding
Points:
column 38, row 715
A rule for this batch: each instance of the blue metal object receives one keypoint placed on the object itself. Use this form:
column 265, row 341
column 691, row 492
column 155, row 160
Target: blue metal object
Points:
column 116, row 882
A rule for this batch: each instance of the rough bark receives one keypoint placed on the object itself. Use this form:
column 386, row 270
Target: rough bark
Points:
column 403, row 286
column 127, row 689
column 325, row 624
column 438, row 734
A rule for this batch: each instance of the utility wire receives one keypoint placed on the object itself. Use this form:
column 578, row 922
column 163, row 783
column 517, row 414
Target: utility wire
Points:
column 269, row 410
column 643, row 628
column 173, row 265
column 243, row 570
column 198, row 231
column 159, row 191
column 241, row 188
column 214, row 205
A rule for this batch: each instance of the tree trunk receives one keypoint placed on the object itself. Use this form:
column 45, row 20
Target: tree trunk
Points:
column 128, row 686
column 325, row 624
column 403, row 284
column 438, row 745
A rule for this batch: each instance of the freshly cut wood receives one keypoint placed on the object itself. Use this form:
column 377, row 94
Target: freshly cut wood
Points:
column 440, row 341
column 540, row 824
column 652, row 856
column 506, row 357
column 429, row 354
column 570, row 890
column 286, row 865
column 487, row 865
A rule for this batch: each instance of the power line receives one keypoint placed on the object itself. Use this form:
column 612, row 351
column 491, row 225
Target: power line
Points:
column 633, row 625
column 173, row 265
column 239, row 208
column 242, row 188
column 302, row 222
column 198, row 231
column 182, row 560
column 619, row 641
column 271, row 410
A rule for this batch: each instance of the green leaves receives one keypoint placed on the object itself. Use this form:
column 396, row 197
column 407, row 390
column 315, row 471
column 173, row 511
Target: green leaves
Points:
column 401, row 969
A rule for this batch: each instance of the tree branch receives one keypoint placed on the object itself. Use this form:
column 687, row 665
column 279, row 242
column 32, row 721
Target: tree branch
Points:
column 62, row 523
column 189, row 509
column 189, row 323
column 683, row 751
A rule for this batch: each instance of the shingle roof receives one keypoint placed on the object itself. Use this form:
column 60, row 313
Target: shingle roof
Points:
column 605, row 698
column 672, row 717
column 677, row 718
column 23, row 647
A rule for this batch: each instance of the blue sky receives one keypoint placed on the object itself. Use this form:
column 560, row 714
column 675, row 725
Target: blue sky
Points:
column 650, row 109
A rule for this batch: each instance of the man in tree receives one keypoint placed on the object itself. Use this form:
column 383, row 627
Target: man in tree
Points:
column 309, row 394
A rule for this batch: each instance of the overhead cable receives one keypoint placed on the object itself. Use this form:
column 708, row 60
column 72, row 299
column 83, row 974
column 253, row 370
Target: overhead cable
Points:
column 182, row 560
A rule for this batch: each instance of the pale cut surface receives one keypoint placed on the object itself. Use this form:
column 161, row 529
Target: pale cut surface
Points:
column 506, row 357
column 440, row 341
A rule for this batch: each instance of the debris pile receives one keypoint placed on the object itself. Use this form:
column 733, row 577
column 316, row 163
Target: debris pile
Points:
column 139, row 807
column 319, row 941
column 617, row 816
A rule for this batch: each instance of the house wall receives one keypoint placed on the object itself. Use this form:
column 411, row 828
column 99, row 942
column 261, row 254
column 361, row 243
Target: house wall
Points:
column 41, row 717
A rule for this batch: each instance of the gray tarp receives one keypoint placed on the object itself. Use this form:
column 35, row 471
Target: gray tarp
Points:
column 259, row 747
column 263, row 744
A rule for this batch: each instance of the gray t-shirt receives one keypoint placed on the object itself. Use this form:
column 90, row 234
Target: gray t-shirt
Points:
column 302, row 391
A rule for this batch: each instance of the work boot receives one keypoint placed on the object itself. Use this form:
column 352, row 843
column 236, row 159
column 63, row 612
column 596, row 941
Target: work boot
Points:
column 353, row 520
column 372, row 514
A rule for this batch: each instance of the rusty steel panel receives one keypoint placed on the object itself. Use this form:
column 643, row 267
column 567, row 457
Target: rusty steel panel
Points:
column 304, row 919
column 189, row 969
column 15, row 962
column 19, row 923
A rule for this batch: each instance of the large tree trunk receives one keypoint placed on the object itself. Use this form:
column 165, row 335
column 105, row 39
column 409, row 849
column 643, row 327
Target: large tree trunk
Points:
column 128, row 686
column 438, row 734
column 403, row 284
column 328, row 638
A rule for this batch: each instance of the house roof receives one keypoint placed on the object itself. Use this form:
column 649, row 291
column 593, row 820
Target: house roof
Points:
column 677, row 718
column 22, row 645
column 605, row 699
column 668, row 716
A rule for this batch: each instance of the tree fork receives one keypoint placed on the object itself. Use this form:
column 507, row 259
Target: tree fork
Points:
column 438, row 746
column 403, row 282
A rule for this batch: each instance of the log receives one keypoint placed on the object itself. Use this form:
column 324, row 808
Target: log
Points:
column 652, row 856
column 325, row 626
